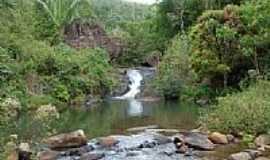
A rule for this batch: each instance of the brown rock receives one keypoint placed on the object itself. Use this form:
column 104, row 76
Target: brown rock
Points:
column 48, row 155
column 218, row 138
column 107, row 142
column 67, row 140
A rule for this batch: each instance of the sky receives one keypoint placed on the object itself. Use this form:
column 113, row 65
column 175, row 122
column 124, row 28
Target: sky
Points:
column 143, row 1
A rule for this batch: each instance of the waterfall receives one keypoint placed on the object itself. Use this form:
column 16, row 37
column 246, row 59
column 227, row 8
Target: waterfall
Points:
column 135, row 79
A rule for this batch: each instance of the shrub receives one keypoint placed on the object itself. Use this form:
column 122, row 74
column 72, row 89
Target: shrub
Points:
column 247, row 111
column 174, row 71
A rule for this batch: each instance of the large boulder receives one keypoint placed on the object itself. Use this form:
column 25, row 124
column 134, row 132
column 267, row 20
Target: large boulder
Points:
column 198, row 141
column 67, row 140
column 218, row 138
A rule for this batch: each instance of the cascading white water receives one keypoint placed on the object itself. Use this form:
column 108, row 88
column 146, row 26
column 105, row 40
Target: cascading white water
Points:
column 135, row 79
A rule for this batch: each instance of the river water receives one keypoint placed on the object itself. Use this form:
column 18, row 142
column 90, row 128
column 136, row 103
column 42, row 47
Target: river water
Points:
column 115, row 117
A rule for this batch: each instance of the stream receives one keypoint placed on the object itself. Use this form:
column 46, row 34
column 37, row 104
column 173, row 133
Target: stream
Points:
column 132, row 121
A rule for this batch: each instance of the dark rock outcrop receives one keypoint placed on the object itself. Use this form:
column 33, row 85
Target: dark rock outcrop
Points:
column 87, row 35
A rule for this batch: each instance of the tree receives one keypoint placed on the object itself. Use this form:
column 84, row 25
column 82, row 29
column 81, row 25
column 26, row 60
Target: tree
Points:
column 63, row 12
column 227, row 43
column 174, row 73
column 7, row 4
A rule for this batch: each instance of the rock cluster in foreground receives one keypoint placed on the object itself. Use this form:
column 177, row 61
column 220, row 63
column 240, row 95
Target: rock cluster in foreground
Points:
column 144, row 146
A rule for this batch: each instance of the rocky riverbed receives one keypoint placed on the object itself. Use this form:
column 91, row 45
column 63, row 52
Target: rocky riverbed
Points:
column 149, row 144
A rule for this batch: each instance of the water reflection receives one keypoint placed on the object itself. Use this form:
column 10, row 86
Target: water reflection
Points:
column 114, row 117
column 135, row 108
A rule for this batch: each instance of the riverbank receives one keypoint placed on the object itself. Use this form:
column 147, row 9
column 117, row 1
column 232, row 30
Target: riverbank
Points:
column 148, row 143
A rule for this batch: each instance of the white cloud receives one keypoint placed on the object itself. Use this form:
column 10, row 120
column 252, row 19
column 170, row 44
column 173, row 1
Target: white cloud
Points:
column 143, row 1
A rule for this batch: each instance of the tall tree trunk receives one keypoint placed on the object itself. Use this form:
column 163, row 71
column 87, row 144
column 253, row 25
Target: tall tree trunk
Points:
column 256, row 62
column 225, row 80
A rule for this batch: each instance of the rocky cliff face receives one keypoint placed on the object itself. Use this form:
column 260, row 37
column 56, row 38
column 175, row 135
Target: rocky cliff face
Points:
column 87, row 35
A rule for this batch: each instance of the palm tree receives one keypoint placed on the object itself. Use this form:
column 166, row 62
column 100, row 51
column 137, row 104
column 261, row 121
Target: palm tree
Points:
column 7, row 4
column 63, row 12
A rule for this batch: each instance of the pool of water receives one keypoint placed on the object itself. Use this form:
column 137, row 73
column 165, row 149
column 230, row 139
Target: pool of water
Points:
column 114, row 117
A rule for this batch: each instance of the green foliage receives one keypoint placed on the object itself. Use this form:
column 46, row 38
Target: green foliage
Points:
column 62, row 12
column 32, row 67
column 114, row 13
column 224, row 45
column 247, row 111
column 141, row 42
column 175, row 16
column 173, row 72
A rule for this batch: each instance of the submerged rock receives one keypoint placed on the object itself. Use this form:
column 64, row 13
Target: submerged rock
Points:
column 218, row 138
column 92, row 156
column 67, row 140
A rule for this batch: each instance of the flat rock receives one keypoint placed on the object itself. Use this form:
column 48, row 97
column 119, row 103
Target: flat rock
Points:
column 240, row 156
column 48, row 155
column 218, row 138
column 163, row 130
column 67, row 140
column 138, row 129
column 92, row 156
column 198, row 141
column 262, row 158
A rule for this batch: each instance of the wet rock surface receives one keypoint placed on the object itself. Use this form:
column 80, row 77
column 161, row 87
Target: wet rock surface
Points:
column 147, row 145
column 143, row 146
